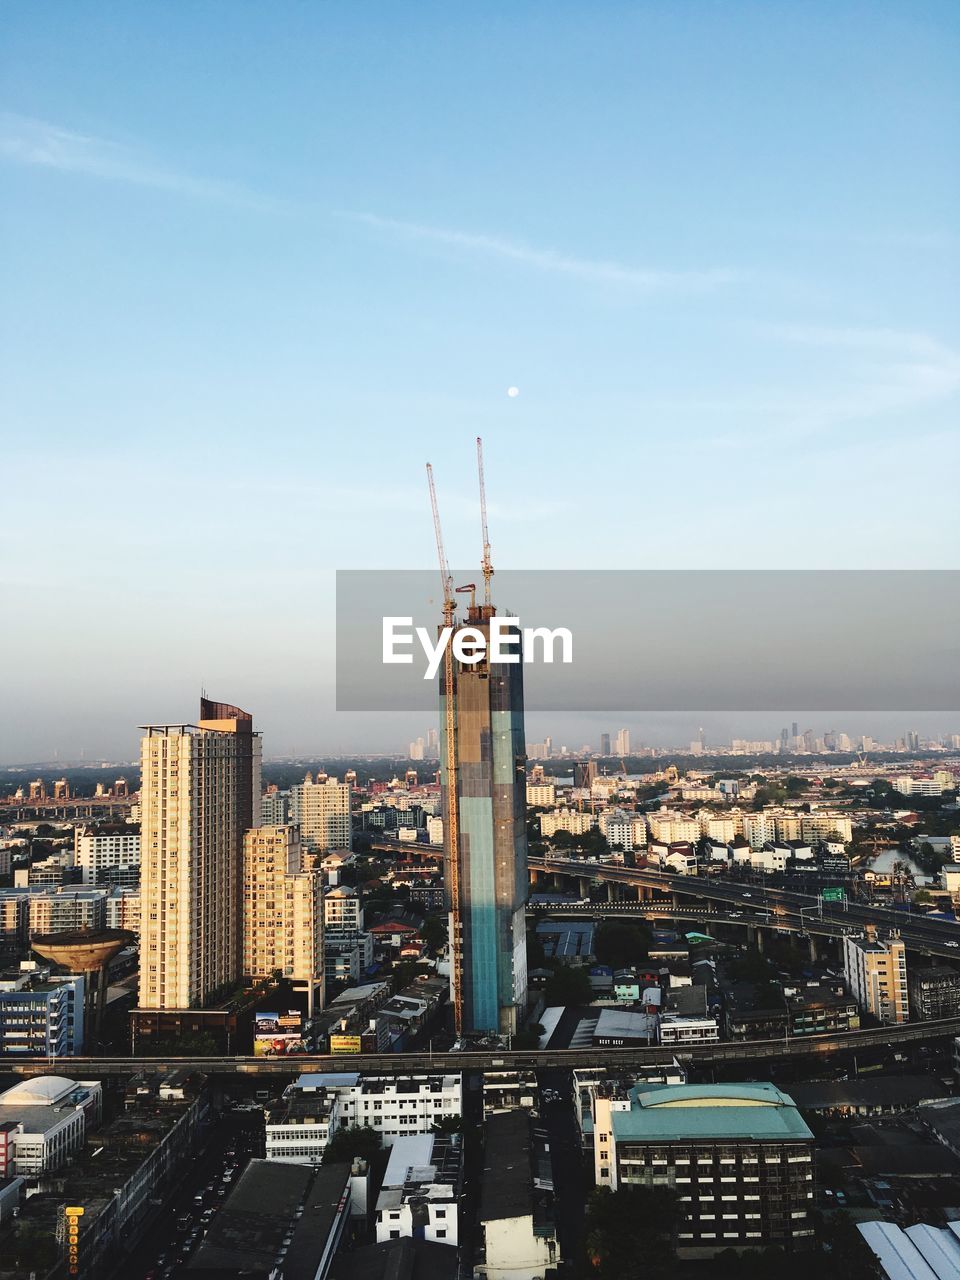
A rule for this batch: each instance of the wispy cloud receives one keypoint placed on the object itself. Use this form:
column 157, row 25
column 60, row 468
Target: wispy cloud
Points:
column 26, row 141
column 590, row 270
column 899, row 367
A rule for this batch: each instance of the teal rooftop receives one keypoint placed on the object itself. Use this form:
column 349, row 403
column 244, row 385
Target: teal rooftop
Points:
column 704, row 1112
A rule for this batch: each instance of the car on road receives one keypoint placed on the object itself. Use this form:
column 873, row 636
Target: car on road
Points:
column 952, row 944
column 746, row 895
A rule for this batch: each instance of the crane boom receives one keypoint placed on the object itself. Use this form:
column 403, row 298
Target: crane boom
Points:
column 451, row 833
column 487, row 562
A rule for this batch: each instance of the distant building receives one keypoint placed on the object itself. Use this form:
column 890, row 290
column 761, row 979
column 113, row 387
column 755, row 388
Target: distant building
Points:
column 322, row 809
column 41, row 1015
column 282, row 909
column 876, row 975
column 934, row 992
column 100, row 849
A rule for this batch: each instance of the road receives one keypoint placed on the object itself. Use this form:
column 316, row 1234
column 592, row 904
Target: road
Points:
column 570, row 1182
column 178, row 1228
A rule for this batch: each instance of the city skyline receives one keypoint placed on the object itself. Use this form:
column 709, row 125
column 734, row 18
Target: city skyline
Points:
column 290, row 243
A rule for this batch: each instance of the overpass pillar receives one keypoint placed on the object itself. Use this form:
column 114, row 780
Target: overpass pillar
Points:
column 813, row 949
column 759, row 942
column 584, row 888
column 675, row 901
column 611, row 894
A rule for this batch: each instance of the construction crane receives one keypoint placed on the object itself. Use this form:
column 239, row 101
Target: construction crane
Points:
column 487, row 562
column 452, row 824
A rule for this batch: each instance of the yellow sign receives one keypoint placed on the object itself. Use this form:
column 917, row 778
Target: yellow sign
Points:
column 74, row 1212
column 345, row 1044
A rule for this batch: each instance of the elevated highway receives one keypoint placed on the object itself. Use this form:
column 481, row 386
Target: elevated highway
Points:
column 499, row 1059
column 770, row 907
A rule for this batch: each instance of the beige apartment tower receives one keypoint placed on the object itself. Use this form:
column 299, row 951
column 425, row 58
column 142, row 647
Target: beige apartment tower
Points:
column 321, row 808
column 282, row 910
column 876, row 974
column 200, row 791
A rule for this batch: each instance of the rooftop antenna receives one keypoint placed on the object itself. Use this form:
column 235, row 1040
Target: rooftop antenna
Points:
column 451, row 825
column 487, row 562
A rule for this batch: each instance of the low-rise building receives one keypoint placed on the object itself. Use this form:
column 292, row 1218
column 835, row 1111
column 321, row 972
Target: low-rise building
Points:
column 280, row 1219
column 420, row 1192
column 317, row 1104
column 43, row 1121
column 676, row 1030
column 516, row 1219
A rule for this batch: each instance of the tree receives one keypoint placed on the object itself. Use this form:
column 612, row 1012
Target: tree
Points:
column 630, row 1233
column 529, row 1038
column 447, row 1124
column 434, row 933
column 346, row 1144
column 568, row 985
column 621, row 943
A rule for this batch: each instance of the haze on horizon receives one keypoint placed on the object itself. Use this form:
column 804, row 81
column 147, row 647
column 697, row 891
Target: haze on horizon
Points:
column 259, row 268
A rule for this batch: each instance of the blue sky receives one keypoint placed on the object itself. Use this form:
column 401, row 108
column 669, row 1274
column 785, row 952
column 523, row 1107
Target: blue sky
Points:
column 261, row 262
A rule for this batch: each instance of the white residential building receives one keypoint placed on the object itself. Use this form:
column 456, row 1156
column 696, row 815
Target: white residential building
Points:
column 419, row 1196
column 541, row 794
column 101, row 849
column 342, row 911
column 671, row 827
column 317, row 1104
column 676, row 1030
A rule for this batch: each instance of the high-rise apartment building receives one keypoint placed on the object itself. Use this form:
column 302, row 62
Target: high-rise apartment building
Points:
column 623, row 742
column 321, row 808
column 876, row 974
column 485, row 865
column 282, row 909
column 200, row 791
column 604, row 744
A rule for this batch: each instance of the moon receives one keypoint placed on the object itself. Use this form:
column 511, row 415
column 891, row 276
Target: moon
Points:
column 513, row 392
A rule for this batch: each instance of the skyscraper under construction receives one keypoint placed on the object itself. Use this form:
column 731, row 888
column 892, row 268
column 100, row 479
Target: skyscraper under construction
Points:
column 483, row 780
column 485, row 840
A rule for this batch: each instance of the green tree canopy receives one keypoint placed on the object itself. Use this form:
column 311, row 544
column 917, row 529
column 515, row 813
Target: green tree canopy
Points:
column 621, row 943
column 568, row 985
column 630, row 1233
column 358, row 1140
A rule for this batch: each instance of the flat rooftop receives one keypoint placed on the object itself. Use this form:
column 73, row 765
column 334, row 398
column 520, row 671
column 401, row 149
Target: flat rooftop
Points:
column 247, row 1235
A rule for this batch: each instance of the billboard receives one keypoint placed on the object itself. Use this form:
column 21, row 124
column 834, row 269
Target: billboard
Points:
column 275, row 1035
column 345, row 1044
